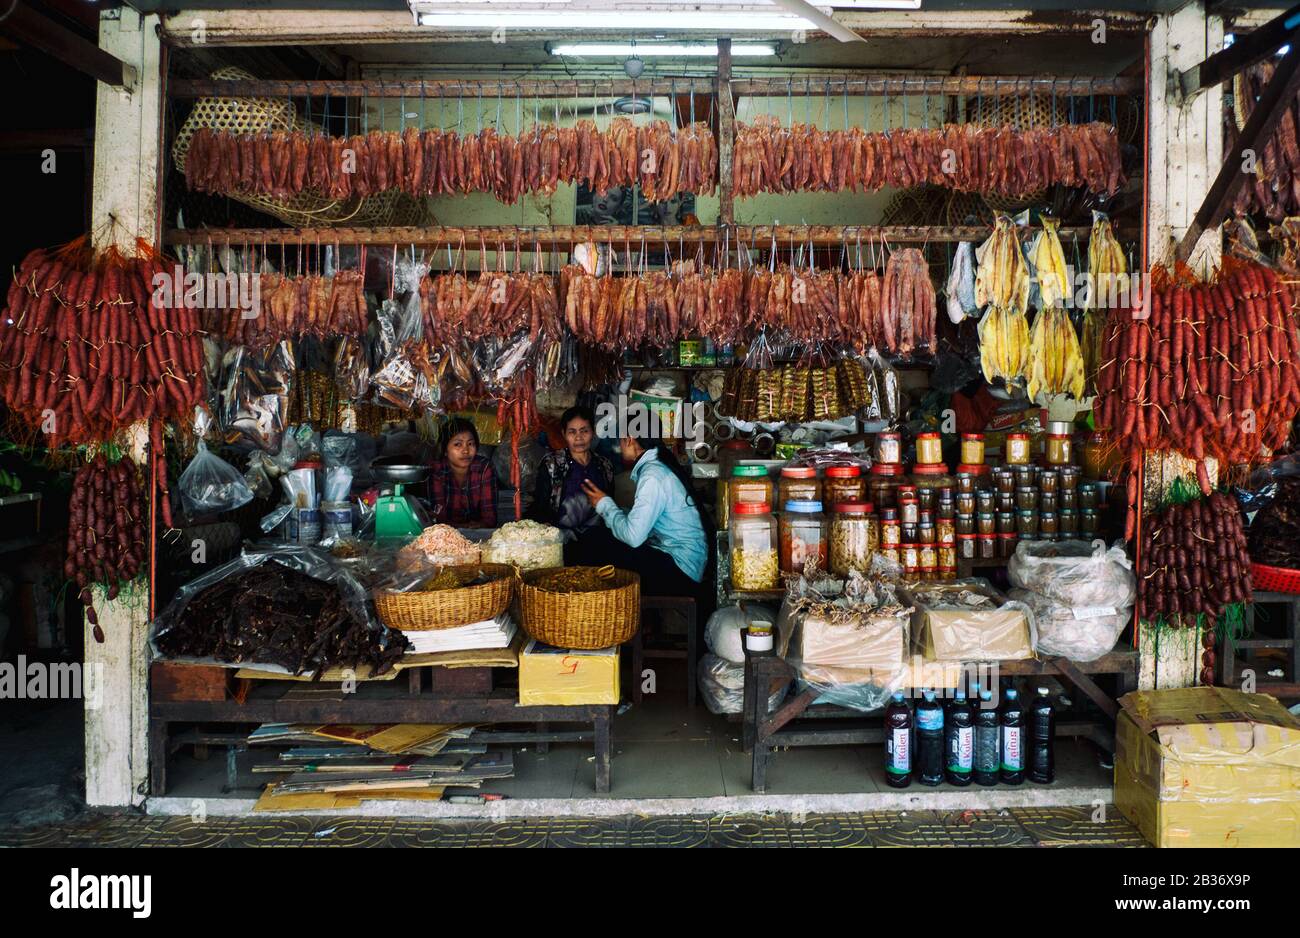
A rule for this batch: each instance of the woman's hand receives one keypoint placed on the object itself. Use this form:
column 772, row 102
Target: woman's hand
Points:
column 593, row 492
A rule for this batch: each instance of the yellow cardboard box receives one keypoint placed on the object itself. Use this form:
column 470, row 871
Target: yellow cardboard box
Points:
column 565, row 677
column 1208, row 767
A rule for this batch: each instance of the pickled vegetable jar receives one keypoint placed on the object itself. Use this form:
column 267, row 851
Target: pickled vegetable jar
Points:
column 804, row 537
column 753, row 534
column 844, row 484
column 855, row 536
column 798, row 484
column 885, row 480
column 750, row 484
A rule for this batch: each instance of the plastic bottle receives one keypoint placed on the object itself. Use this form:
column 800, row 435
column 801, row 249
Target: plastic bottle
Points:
column 959, row 739
column 929, row 740
column 898, row 744
column 1013, row 739
column 1042, row 730
column 987, row 750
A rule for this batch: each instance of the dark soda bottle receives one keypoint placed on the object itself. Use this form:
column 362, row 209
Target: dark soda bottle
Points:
column 1013, row 739
column 959, row 736
column 898, row 742
column 929, row 740
column 1042, row 731
column 987, row 751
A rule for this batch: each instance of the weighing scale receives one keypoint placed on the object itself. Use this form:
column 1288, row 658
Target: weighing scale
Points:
column 395, row 518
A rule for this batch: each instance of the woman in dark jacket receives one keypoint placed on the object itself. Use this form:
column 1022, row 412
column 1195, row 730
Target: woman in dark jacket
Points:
column 558, row 498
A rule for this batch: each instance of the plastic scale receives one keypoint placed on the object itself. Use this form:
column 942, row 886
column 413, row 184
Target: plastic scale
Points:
column 395, row 519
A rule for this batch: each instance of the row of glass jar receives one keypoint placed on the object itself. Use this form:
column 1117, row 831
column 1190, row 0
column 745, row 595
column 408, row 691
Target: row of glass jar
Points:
column 763, row 546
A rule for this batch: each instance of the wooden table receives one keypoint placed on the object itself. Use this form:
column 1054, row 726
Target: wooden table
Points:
column 385, row 702
column 829, row 725
column 1230, row 675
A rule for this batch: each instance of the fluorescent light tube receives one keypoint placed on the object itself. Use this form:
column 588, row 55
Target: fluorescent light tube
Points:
column 719, row 22
column 676, row 49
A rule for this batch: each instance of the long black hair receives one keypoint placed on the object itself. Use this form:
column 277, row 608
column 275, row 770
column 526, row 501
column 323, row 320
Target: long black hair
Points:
column 453, row 428
column 648, row 441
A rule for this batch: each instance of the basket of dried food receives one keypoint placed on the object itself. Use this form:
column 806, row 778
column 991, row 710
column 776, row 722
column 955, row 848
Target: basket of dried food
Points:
column 447, row 597
column 580, row 607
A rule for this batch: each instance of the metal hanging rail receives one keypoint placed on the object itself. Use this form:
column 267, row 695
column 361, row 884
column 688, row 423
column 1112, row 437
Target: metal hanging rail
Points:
column 754, row 236
column 986, row 85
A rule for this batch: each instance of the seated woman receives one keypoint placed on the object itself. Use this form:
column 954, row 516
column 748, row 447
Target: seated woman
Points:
column 462, row 484
column 665, row 535
column 558, row 498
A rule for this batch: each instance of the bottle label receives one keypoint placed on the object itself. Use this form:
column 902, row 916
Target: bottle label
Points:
column 900, row 752
column 1013, row 757
column 961, row 749
column 927, row 719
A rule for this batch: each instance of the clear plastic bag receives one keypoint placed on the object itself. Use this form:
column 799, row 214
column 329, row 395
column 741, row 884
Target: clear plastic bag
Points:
column 1083, row 634
column 1074, row 573
column 723, row 635
column 255, row 388
column 968, row 620
column 722, row 685
column 210, row 485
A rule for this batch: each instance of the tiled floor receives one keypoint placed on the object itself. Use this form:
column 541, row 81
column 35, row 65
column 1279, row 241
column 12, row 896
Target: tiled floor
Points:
column 1015, row 827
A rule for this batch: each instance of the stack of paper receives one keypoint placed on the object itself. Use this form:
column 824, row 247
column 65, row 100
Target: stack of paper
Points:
column 490, row 633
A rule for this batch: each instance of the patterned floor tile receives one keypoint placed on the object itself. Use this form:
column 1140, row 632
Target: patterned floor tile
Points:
column 984, row 829
column 669, row 832
column 413, row 833
column 1101, row 826
column 521, row 832
column 589, row 832
column 350, row 832
column 789, row 831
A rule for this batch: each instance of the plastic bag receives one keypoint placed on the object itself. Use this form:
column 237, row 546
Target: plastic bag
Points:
column 722, row 685
column 1074, row 573
column 969, row 620
column 255, row 388
column 722, row 633
column 210, row 485
column 1083, row 634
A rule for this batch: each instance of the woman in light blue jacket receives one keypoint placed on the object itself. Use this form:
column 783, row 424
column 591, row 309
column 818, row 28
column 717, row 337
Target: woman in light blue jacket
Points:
column 665, row 535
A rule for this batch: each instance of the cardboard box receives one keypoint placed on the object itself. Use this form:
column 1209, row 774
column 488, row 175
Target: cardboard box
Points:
column 1208, row 767
column 876, row 644
column 566, row 677
column 947, row 632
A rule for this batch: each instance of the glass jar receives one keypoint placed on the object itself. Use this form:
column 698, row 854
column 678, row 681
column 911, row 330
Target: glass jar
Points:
column 946, row 531
column 967, row 548
column 1060, row 444
column 1047, row 501
column 965, row 524
column 984, row 500
column 965, row 503
column 927, row 533
column 1088, row 521
column 1017, row 449
column 909, row 509
column 855, row 536
column 1048, row 524
column 891, row 530
column 1069, row 498
column 1069, row 522
column 929, row 449
column 885, row 480
column 1026, row 497
column 1070, row 476
column 798, row 484
column 932, row 479
column 911, row 533
column 986, row 523
column 1006, row 502
column 1049, row 480
column 1089, row 495
column 753, row 534
column 1007, row 544
column 892, row 554
column 1005, row 481
column 972, row 448
column 965, row 482
column 929, row 556
column 911, row 559
column 750, row 485
column 1099, row 457
column 805, row 537
column 889, row 448
column 947, row 558
column 988, row 547
column 1027, row 522
column 926, row 496
column 1006, row 522
column 947, row 509
column 843, row 484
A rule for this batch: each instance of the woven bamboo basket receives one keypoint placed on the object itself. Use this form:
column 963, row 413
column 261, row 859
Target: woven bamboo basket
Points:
column 306, row 209
column 447, row 609
column 589, row 620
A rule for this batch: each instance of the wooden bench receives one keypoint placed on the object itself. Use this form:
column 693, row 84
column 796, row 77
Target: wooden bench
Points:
column 641, row 651
column 1230, row 675
column 393, row 701
column 829, row 725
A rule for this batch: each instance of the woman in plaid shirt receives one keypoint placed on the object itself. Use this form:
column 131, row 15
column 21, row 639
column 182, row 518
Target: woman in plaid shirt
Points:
column 462, row 485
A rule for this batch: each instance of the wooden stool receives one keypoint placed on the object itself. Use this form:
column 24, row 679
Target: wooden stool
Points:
column 686, row 605
column 1282, row 690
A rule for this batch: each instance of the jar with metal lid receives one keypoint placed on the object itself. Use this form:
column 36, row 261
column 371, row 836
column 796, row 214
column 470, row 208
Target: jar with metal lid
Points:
column 1068, row 523
column 843, row 484
column 1047, row 501
column 1070, row 498
column 946, row 531
column 965, row 503
column 965, row 482
column 1024, row 476
column 947, row 556
column 972, row 448
column 1007, row 544
column 1017, row 449
column 798, row 484
column 909, row 509
column 1006, row 522
column 1089, row 519
column 947, row 509
column 805, row 537
column 855, row 536
column 885, row 478
column 926, row 496
column 1099, row 457
column 927, row 534
column 1026, row 497
column 965, row 523
column 984, row 500
column 751, row 485
column 911, row 558
column 753, row 534
column 929, row 449
column 1005, row 481
column 929, row 556
column 986, row 523
column 891, row 530
column 1060, row 443
column 889, row 447
column 932, row 479
column 1089, row 495
column 988, row 547
column 1048, row 524
column 967, row 546
column 1049, row 480
column 1027, row 522
column 911, row 532
column 1006, row 502
column 891, row 554
column 1070, row 476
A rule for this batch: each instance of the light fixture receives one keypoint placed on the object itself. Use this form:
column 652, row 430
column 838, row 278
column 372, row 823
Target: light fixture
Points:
column 720, row 21
column 646, row 50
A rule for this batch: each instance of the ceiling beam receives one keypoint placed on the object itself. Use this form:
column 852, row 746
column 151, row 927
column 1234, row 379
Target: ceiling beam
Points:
column 1278, row 94
column 1246, row 51
column 40, row 32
